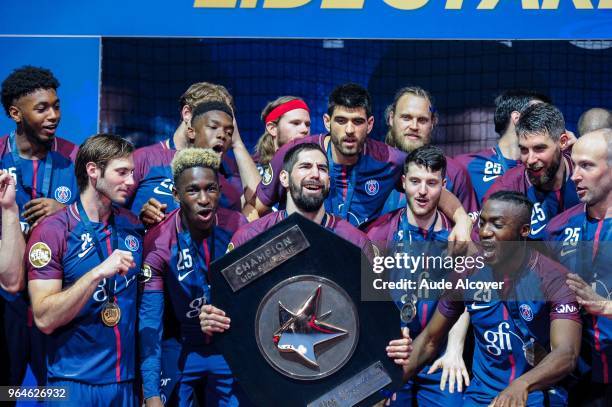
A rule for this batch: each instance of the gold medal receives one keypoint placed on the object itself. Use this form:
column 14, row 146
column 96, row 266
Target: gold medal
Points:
column 111, row 314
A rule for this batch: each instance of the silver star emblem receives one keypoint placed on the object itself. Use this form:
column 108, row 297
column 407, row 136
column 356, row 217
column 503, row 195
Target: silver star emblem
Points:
column 301, row 331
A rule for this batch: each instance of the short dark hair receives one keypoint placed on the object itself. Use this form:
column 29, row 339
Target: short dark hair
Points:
column 25, row 80
column 514, row 100
column 291, row 156
column 352, row 96
column 517, row 199
column 541, row 118
column 100, row 149
column 431, row 157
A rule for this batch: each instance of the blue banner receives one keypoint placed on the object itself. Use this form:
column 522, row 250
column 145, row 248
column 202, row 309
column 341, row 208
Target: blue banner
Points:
column 389, row 19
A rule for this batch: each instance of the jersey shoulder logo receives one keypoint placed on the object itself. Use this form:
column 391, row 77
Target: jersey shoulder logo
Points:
column 268, row 174
column 164, row 188
column 86, row 246
column 40, row 255
column 526, row 312
column 132, row 243
column 63, row 194
column 372, row 187
column 566, row 309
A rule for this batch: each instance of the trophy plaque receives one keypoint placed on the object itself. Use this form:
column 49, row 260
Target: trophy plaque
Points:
column 300, row 334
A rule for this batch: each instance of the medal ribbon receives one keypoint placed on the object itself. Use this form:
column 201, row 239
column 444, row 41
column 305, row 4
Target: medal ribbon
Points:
column 587, row 267
column 110, row 283
column 208, row 246
column 405, row 227
column 335, row 202
column 502, row 159
column 18, row 161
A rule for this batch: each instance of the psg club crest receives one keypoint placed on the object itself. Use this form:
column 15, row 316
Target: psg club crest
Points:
column 526, row 312
column 131, row 243
column 63, row 194
column 372, row 187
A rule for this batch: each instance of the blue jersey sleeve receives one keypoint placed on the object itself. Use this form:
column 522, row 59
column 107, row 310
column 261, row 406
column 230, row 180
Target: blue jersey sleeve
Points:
column 150, row 330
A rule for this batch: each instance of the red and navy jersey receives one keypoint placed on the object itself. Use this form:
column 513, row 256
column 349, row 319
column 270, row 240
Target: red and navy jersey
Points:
column 457, row 182
column 546, row 204
column 541, row 296
column 393, row 228
column 179, row 266
column 62, row 184
column 484, row 167
column 387, row 233
column 153, row 178
column 576, row 240
column 85, row 349
column 339, row 226
column 375, row 175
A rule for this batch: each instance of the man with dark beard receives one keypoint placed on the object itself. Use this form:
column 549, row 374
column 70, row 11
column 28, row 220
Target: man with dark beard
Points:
column 546, row 177
column 305, row 175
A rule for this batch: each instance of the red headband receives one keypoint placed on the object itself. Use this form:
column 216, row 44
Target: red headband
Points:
column 280, row 110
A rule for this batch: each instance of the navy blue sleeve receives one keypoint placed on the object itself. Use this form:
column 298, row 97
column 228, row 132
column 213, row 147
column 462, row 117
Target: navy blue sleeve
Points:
column 150, row 330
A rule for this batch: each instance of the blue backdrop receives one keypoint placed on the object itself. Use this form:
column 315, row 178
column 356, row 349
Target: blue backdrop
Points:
column 75, row 63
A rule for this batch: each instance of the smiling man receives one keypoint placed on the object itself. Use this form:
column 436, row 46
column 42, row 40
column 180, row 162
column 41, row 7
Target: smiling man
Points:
column 177, row 257
column 42, row 163
column 305, row 175
column 528, row 335
column 82, row 265
column 42, row 167
column 546, row 176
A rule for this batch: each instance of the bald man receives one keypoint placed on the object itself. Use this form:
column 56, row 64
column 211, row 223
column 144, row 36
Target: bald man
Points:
column 590, row 222
column 594, row 119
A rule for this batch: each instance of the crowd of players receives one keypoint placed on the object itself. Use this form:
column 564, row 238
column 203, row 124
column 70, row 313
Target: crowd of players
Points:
column 94, row 304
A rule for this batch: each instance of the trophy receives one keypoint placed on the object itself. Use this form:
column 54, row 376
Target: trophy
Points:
column 300, row 334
